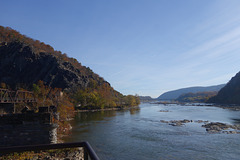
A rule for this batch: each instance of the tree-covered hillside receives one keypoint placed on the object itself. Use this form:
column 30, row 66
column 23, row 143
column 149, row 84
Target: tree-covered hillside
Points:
column 172, row 95
column 29, row 64
column 196, row 97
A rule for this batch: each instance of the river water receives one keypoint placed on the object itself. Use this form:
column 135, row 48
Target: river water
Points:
column 138, row 134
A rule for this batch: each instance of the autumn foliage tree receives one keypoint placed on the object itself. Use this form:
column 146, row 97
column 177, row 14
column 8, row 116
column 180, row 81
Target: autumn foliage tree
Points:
column 47, row 96
column 103, row 96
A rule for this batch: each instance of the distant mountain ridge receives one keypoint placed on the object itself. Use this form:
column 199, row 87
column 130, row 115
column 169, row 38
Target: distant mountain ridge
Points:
column 171, row 95
column 145, row 98
column 230, row 94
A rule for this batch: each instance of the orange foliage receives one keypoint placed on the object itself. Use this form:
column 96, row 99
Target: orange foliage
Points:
column 54, row 96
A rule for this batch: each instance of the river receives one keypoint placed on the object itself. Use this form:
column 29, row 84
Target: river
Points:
column 138, row 134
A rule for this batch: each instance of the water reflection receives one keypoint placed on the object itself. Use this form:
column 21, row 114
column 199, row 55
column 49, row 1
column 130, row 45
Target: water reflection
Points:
column 139, row 134
column 236, row 121
column 94, row 116
column 103, row 115
column 135, row 110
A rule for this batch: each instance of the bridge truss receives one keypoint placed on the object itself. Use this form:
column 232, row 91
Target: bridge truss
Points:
column 19, row 96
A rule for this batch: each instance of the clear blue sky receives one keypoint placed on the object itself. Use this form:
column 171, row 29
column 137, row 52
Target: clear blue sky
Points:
column 143, row 47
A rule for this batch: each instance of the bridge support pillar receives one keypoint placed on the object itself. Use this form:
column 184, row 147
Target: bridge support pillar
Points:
column 7, row 108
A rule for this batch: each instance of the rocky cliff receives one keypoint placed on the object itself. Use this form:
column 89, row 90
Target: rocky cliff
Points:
column 230, row 94
column 23, row 63
column 29, row 64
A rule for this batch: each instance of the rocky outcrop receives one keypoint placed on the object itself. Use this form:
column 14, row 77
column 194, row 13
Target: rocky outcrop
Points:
column 230, row 94
column 177, row 122
column 25, row 62
column 217, row 127
column 20, row 64
column 211, row 127
column 182, row 122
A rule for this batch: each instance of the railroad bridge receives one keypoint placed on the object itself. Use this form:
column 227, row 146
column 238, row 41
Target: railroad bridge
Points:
column 13, row 97
column 21, row 128
column 19, row 96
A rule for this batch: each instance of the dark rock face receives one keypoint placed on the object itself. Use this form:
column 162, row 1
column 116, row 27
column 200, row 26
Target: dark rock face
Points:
column 20, row 65
column 230, row 94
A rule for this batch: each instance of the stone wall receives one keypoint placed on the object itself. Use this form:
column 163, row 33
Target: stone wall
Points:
column 27, row 134
column 27, row 129
column 41, row 118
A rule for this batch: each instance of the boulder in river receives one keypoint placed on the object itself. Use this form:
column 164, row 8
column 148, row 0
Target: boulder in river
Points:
column 177, row 122
column 218, row 127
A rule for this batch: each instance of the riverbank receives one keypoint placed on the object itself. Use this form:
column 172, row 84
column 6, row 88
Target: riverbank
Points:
column 232, row 107
column 224, row 106
column 106, row 109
